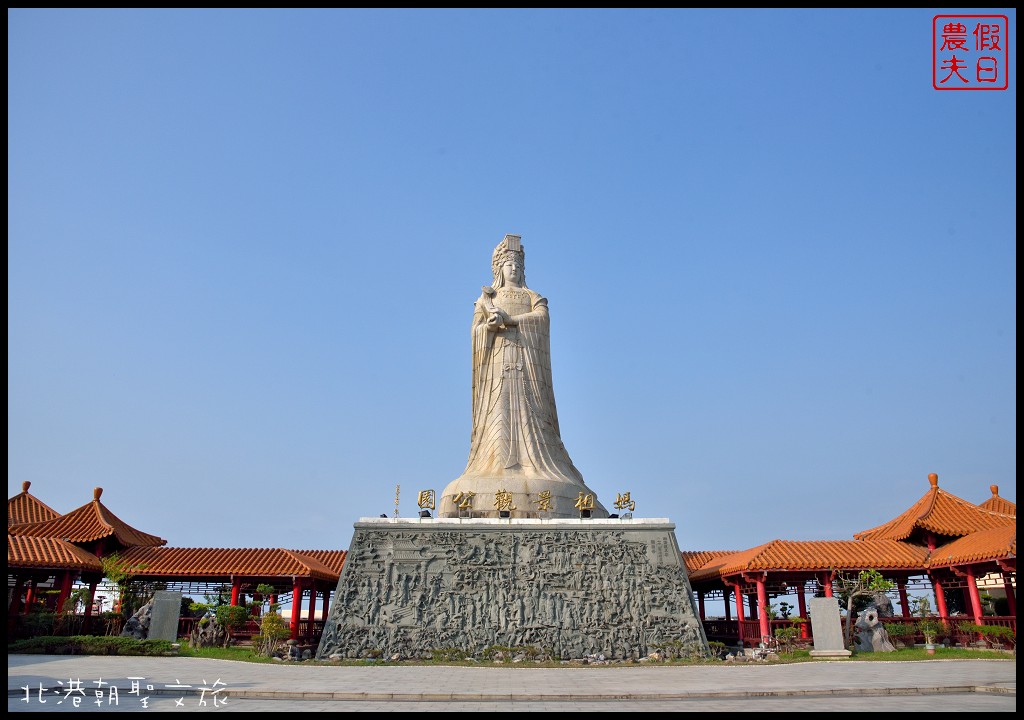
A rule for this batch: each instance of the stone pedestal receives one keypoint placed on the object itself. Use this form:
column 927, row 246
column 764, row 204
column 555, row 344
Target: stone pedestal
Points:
column 565, row 588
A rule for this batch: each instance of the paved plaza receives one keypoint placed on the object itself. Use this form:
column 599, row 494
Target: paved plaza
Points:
column 195, row 684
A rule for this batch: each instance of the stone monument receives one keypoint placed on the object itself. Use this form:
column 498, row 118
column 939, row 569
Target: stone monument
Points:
column 522, row 555
column 827, row 628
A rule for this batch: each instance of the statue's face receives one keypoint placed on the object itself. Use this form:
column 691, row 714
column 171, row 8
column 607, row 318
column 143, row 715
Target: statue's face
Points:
column 512, row 272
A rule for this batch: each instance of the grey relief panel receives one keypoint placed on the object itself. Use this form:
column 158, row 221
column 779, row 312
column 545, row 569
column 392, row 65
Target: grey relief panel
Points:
column 567, row 593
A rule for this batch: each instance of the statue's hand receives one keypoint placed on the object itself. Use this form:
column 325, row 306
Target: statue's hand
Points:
column 494, row 323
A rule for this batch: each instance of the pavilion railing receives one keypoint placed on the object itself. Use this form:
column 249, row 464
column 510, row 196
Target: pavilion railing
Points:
column 749, row 631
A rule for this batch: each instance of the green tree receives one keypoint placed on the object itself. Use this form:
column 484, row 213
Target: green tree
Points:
column 273, row 628
column 131, row 592
column 865, row 584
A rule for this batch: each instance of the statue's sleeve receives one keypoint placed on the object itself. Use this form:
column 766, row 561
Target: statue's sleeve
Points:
column 483, row 340
column 538, row 314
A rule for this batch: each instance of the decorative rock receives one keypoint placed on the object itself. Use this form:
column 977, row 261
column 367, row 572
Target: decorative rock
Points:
column 138, row 624
column 207, row 632
column 871, row 633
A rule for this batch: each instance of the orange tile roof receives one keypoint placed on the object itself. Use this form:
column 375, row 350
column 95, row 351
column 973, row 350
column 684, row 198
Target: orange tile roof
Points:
column 993, row 544
column 48, row 553
column 90, row 522
column 696, row 559
column 941, row 513
column 816, row 555
column 333, row 559
column 998, row 504
column 197, row 563
column 27, row 508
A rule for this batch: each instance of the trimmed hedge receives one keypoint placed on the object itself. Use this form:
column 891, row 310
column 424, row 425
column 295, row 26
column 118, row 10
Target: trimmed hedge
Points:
column 89, row 645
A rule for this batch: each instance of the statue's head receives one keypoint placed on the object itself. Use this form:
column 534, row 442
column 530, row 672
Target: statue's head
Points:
column 508, row 263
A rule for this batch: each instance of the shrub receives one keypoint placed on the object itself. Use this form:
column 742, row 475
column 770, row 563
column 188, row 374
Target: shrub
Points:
column 718, row 649
column 90, row 645
column 273, row 630
column 231, row 618
column 900, row 629
column 447, row 654
column 994, row 634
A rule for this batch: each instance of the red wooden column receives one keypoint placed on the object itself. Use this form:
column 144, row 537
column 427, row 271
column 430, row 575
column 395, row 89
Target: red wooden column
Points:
column 739, row 613
column 762, row 608
column 1011, row 596
column 91, row 600
column 15, row 607
column 940, row 599
column 972, row 588
column 901, row 585
column 296, row 608
column 752, row 604
column 327, row 604
column 801, row 603
column 725, row 599
column 828, row 586
column 30, row 596
column 700, row 605
column 312, row 613
column 65, row 590
column 236, row 587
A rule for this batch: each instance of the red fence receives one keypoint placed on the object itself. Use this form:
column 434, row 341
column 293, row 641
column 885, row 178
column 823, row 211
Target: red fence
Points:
column 749, row 631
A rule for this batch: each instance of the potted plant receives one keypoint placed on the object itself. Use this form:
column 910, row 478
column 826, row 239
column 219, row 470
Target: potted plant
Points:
column 930, row 628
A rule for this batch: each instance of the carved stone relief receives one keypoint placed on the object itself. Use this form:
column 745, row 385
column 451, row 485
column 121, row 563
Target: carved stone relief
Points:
column 569, row 593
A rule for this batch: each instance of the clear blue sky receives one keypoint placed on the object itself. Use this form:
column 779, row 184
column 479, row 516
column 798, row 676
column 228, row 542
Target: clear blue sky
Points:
column 244, row 246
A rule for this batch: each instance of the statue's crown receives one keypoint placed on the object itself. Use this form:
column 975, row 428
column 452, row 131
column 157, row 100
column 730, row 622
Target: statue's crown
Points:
column 510, row 245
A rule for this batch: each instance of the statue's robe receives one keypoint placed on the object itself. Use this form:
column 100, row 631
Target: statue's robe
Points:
column 516, row 446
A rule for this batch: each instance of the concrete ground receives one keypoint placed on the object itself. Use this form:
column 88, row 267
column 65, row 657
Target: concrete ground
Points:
column 195, row 684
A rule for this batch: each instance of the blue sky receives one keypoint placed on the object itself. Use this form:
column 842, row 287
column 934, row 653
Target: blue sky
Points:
column 244, row 246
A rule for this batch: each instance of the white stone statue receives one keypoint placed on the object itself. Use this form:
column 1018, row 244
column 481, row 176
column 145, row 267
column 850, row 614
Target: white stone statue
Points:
column 517, row 461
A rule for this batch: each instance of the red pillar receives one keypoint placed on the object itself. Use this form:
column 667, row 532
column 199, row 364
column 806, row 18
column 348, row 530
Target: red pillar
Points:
column 762, row 609
column 901, row 585
column 312, row 613
column 739, row 612
column 940, row 599
column 1011, row 596
column 828, row 586
column 801, row 602
column 30, row 596
column 725, row 599
column 972, row 588
column 236, row 586
column 752, row 604
column 327, row 604
column 15, row 607
column 65, row 590
column 92, row 598
column 296, row 609
column 700, row 604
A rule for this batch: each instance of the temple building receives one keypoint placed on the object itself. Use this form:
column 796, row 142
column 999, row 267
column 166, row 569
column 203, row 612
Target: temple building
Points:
column 963, row 553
